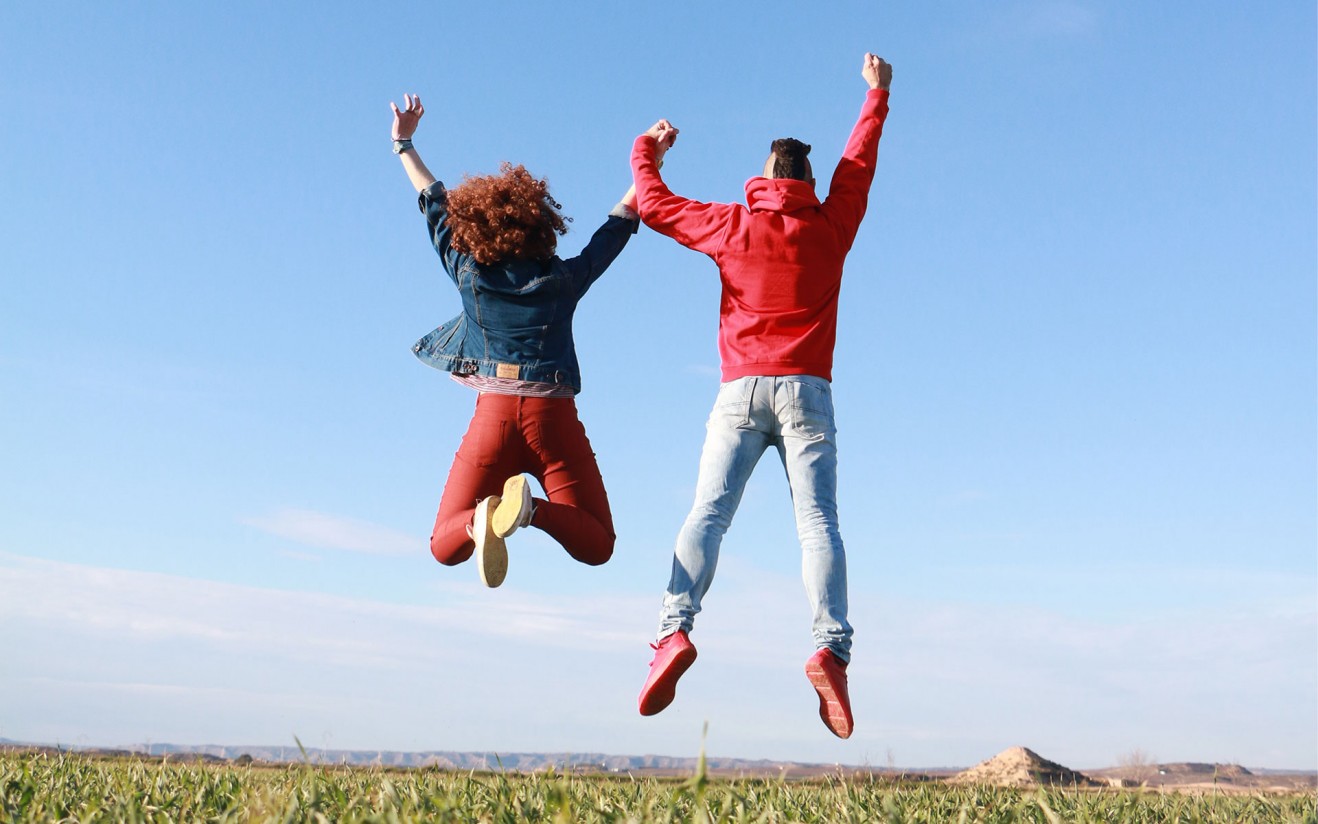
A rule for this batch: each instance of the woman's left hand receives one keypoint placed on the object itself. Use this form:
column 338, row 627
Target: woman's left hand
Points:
column 406, row 120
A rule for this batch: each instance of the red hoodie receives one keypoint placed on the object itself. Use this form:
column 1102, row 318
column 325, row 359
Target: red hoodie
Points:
column 779, row 257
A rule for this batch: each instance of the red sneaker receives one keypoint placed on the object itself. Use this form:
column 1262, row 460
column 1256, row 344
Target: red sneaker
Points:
column 673, row 655
column 828, row 675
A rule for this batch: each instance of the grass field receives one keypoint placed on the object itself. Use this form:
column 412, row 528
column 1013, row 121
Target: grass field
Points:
column 64, row 787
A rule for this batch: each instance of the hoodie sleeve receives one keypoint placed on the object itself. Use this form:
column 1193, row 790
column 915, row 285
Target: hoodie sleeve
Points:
column 695, row 225
column 848, row 191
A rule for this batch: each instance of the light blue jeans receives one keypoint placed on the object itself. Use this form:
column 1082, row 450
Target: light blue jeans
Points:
column 794, row 414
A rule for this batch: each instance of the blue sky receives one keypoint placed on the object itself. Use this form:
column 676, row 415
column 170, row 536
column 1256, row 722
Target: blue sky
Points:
column 1075, row 380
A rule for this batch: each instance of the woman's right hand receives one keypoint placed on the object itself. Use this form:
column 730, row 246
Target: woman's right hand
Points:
column 406, row 120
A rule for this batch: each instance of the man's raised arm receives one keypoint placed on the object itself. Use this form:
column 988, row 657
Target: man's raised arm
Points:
column 848, row 192
column 693, row 224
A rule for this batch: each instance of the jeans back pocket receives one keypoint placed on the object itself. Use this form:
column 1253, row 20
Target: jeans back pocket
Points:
column 733, row 405
column 812, row 408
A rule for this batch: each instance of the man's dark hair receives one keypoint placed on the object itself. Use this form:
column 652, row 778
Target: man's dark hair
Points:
column 789, row 158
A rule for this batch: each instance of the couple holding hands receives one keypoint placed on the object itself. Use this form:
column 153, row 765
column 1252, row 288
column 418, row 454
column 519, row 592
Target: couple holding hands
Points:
column 779, row 258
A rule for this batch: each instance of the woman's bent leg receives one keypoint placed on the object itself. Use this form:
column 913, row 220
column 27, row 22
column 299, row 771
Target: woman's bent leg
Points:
column 482, row 463
column 577, row 514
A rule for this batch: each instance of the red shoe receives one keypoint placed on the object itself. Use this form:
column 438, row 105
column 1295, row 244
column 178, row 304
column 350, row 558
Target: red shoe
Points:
column 673, row 655
column 828, row 674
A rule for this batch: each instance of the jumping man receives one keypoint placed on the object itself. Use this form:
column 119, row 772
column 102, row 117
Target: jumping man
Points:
column 780, row 261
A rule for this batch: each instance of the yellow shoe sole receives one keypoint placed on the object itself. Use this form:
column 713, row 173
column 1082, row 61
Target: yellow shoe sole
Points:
column 491, row 554
column 516, row 500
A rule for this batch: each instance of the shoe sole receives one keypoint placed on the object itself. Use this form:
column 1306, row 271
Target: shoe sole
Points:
column 830, row 706
column 515, row 500
column 491, row 554
column 664, row 689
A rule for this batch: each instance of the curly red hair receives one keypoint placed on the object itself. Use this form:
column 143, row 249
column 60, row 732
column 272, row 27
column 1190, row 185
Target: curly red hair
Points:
column 505, row 217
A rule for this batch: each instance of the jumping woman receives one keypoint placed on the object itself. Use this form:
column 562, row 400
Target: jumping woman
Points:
column 496, row 236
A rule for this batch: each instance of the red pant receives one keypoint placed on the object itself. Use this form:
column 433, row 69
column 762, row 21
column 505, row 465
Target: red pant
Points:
column 510, row 435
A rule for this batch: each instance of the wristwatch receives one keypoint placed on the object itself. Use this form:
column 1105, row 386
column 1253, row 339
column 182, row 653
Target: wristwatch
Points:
column 401, row 146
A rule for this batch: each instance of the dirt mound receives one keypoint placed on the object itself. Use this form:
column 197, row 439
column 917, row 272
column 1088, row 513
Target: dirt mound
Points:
column 1021, row 767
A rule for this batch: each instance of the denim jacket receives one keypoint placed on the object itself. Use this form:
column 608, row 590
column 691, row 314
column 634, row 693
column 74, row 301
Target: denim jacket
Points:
column 516, row 319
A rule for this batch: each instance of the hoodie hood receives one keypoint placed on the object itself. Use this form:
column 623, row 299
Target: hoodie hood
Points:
column 779, row 194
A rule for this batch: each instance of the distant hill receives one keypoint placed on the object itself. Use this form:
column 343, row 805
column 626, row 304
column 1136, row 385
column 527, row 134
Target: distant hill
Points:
column 1017, row 766
column 517, row 762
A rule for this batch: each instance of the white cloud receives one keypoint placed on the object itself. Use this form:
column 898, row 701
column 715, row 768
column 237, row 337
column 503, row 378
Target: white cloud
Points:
column 1042, row 19
column 1059, row 18
column 703, row 370
column 165, row 691
column 964, row 496
column 325, row 531
column 118, row 655
column 141, row 654
column 151, row 607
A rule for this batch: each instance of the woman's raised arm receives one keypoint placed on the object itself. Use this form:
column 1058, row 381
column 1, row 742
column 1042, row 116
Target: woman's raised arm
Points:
column 405, row 123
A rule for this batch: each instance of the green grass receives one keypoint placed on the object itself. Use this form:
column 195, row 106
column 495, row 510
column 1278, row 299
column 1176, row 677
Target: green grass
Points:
column 44, row 787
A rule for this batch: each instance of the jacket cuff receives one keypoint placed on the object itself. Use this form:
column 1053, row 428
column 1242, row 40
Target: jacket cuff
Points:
column 625, row 212
column 434, row 193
